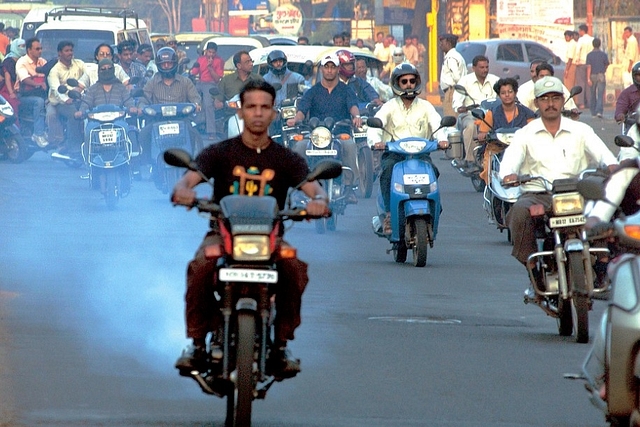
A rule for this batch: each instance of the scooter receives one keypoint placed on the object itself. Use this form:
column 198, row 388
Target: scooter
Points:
column 366, row 162
column 415, row 197
column 107, row 150
column 239, row 366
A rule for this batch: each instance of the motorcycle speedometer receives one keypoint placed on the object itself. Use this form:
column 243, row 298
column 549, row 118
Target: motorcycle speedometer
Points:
column 413, row 146
column 321, row 137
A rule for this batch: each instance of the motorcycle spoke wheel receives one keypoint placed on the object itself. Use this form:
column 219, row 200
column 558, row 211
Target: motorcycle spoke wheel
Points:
column 420, row 242
column 244, row 365
column 577, row 279
column 365, row 168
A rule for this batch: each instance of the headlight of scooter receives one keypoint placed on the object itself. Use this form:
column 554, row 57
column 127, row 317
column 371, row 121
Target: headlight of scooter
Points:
column 505, row 138
column 188, row 110
column 321, row 137
column 106, row 116
column 149, row 111
column 251, row 248
column 169, row 110
column 413, row 146
column 567, row 204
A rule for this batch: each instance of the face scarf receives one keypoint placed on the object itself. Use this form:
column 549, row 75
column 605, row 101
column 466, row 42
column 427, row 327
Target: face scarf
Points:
column 108, row 75
column 17, row 49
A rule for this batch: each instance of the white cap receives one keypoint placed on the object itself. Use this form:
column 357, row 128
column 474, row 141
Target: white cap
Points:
column 330, row 58
column 546, row 85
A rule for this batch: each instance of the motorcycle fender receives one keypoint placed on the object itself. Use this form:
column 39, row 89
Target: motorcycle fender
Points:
column 573, row 245
column 247, row 304
column 416, row 207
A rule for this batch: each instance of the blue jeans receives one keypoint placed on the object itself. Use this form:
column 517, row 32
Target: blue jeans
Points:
column 35, row 105
column 596, row 103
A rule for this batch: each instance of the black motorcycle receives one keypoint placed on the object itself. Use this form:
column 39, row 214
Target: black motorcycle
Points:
column 239, row 368
column 13, row 146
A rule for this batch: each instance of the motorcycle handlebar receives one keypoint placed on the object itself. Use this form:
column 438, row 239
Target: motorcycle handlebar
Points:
column 294, row 214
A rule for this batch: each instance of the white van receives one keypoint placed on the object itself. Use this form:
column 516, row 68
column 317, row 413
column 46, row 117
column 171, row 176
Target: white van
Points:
column 87, row 27
column 32, row 21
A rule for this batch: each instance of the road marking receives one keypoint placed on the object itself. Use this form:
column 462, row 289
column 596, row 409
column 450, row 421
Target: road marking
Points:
column 428, row 320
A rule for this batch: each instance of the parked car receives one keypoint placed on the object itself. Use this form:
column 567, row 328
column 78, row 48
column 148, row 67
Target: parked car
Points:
column 509, row 58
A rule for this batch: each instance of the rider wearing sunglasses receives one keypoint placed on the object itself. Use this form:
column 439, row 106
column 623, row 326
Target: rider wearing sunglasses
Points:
column 403, row 116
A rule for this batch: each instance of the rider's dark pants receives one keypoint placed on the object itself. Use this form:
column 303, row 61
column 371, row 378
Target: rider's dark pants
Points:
column 388, row 160
column 522, row 225
column 202, row 309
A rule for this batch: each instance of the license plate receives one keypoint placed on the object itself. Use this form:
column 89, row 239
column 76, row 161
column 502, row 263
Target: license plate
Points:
column 416, row 179
column 567, row 221
column 248, row 275
column 360, row 135
column 108, row 136
column 321, row 152
column 169, row 129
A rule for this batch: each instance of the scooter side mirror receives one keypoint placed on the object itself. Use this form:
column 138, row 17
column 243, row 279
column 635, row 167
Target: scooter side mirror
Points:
column 73, row 82
column 623, row 141
column 63, row 89
column 374, row 122
column 446, row 121
column 461, row 89
column 477, row 113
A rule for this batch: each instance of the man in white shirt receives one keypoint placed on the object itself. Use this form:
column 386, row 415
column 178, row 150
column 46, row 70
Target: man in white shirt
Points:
column 629, row 55
column 584, row 46
column 553, row 147
column 479, row 86
column 384, row 90
column 404, row 116
column 453, row 68
column 526, row 91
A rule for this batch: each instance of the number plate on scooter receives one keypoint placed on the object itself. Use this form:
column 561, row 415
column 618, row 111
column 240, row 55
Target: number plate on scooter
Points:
column 416, row 179
column 248, row 275
column 169, row 129
column 567, row 221
column 108, row 136
column 321, row 152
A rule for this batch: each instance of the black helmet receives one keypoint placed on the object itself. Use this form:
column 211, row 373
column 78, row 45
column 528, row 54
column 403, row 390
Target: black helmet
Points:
column 635, row 73
column 274, row 55
column 405, row 69
column 167, row 55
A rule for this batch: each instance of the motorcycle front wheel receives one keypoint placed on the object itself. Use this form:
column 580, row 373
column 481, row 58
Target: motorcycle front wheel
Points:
column 420, row 242
column 365, row 168
column 577, row 278
column 243, row 393
column 111, row 195
column 16, row 148
column 565, row 317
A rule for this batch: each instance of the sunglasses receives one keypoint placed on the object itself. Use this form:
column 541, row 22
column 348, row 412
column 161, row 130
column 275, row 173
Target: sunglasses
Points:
column 405, row 81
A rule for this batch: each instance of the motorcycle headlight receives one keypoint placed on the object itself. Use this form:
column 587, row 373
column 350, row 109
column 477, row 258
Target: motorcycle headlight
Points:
column 567, row 204
column 106, row 116
column 288, row 112
column 251, row 248
column 188, row 110
column 321, row 137
column 413, row 146
column 169, row 110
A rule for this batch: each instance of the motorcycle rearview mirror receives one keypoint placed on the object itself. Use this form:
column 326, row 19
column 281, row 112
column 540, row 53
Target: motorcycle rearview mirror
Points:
column 448, row 121
column 374, row 122
column 314, row 122
column 179, row 158
column 73, row 82
column 591, row 187
column 196, row 65
column 516, row 77
column 478, row 113
column 326, row 169
column 576, row 90
column 138, row 93
column 134, row 80
column 214, row 91
column 63, row 89
column 461, row 89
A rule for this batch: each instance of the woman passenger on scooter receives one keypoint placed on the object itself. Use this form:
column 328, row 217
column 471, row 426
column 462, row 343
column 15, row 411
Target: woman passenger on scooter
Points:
column 506, row 114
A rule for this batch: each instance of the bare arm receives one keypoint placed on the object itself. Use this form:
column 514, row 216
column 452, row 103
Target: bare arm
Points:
column 183, row 193
column 319, row 204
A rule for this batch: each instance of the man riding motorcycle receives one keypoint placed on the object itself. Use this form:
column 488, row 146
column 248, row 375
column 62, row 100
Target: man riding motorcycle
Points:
column 403, row 116
column 633, row 133
column 552, row 147
column 288, row 80
column 347, row 70
column 250, row 164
